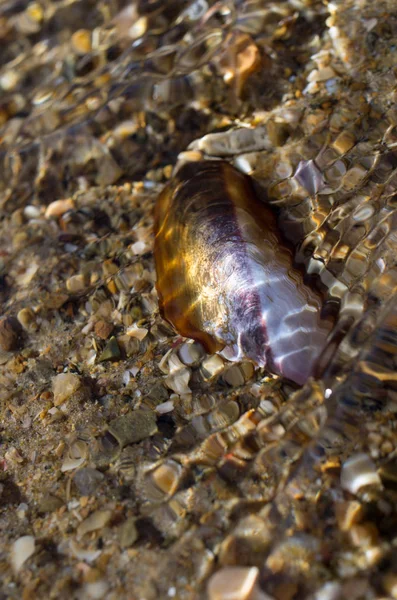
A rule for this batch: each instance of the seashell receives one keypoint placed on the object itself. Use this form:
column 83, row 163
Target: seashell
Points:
column 227, row 279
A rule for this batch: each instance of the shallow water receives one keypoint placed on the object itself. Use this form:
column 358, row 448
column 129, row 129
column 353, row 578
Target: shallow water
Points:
column 240, row 468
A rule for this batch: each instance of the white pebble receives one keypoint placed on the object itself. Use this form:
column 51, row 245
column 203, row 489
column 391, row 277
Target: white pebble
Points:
column 165, row 407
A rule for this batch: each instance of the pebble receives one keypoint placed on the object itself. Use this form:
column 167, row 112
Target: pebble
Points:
column 128, row 533
column 233, row 583
column 76, row 283
column 111, row 351
column 97, row 520
column 87, row 480
column 49, row 503
column 103, row 329
column 31, row 212
column 58, row 208
column 81, row 41
column 65, row 385
column 133, row 426
column 26, row 317
column 10, row 333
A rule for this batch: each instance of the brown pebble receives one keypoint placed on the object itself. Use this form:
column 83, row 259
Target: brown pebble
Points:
column 10, row 332
column 103, row 329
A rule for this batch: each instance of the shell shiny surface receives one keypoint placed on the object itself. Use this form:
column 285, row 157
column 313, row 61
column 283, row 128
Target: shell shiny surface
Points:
column 227, row 279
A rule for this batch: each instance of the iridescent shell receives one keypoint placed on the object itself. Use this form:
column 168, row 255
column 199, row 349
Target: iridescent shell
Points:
column 225, row 277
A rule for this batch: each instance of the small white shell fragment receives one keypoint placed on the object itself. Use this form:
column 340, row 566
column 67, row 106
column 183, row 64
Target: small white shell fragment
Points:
column 21, row 550
column 178, row 381
column 137, row 332
column 77, row 455
column 86, row 555
column 72, row 463
column 357, row 472
column 234, row 141
column 165, row 407
column 174, row 363
column 65, row 385
column 25, row 278
column 233, row 583
column 97, row 520
column 212, row 366
column 190, row 354
column 126, row 377
column 58, row 208
column 163, row 364
column 321, row 74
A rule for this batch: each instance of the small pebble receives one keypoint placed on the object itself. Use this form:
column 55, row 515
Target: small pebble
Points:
column 103, row 329
column 26, row 317
column 49, row 503
column 97, row 520
column 111, row 351
column 81, row 41
column 76, row 283
column 65, row 385
column 133, row 426
column 128, row 533
column 10, row 333
column 58, row 208
column 87, row 480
